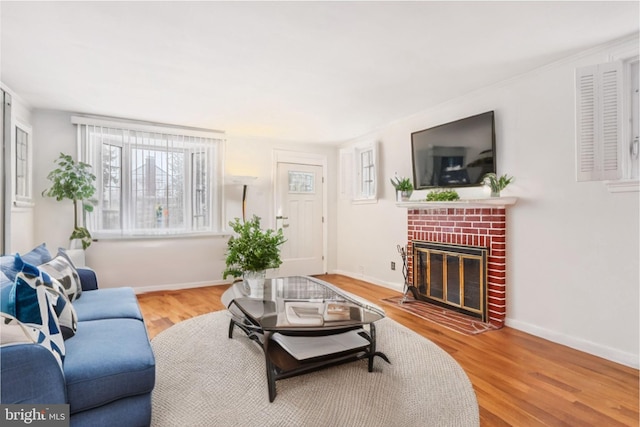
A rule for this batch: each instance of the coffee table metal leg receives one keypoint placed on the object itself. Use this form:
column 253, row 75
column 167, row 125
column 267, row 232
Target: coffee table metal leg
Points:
column 372, row 351
column 231, row 326
column 271, row 382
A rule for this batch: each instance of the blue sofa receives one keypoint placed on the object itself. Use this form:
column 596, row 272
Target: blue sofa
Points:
column 108, row 372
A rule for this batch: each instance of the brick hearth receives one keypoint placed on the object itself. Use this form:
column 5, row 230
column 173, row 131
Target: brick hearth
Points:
column 484, row 227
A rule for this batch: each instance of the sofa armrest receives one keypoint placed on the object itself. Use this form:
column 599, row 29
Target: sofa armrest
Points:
column 30, row 374
column 88, row 279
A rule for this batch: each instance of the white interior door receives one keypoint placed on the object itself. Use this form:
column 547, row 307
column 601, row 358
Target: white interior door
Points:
column 299, row 212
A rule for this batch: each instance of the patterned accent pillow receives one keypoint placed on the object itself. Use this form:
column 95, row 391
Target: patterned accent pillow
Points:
column 32, row 305
column 66, row 313
column 61, row 269
column 36, row 256
column 12, row 331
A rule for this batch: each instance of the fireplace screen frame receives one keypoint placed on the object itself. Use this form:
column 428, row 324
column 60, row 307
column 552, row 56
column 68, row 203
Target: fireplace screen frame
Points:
column 440, row 292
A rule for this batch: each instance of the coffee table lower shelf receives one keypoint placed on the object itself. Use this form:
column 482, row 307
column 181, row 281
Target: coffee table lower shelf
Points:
column 280, row 364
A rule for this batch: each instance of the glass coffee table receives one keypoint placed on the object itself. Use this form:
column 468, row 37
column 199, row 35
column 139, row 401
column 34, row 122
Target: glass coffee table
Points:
column 303, row 324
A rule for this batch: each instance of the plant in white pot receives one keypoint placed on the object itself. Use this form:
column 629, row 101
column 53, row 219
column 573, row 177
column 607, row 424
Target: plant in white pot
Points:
column 74, row 181
column 252, row 251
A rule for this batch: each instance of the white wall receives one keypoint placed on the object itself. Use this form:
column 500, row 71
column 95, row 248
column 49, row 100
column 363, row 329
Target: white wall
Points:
column 160, row 263
column 572, row 248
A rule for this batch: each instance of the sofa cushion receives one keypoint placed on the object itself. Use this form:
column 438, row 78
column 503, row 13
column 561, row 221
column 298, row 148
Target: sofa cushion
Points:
column 36, row 256
column 108, row 360
column 108, row 303
column 31, row 304
column 61, row 269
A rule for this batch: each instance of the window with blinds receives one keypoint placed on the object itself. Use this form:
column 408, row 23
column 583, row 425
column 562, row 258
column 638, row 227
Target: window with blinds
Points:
column 151, row 180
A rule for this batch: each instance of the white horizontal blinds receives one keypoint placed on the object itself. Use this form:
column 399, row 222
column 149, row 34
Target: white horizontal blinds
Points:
column 599, row 122
column 151, row 183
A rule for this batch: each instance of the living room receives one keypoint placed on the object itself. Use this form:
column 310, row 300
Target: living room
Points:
column 572, row 247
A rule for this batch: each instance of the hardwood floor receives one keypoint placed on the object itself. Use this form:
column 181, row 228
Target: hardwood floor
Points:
column 519, row 379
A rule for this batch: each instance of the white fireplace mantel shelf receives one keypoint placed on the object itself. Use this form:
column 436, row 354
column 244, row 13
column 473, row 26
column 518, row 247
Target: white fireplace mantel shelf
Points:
column 487, row 202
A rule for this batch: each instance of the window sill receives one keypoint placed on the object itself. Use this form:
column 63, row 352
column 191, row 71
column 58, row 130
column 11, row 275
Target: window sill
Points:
column 623, row 186
column 106, row 236
column 363, row 201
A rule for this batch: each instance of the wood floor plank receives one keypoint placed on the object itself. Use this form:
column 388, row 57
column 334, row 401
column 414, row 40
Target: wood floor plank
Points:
column 519, row 379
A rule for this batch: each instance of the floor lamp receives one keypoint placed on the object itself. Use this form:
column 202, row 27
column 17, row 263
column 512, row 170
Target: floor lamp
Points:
column 244, row 181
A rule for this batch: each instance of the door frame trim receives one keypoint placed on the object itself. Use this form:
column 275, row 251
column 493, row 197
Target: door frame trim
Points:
column 313, row 159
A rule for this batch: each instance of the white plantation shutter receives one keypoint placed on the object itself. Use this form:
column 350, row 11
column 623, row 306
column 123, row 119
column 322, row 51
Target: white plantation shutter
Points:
column 599, row 122
column 346, row 173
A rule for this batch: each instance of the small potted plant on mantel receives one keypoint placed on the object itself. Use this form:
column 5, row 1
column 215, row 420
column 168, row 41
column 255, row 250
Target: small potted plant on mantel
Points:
column 403, row 187
column 252, row 251
column 74, row 181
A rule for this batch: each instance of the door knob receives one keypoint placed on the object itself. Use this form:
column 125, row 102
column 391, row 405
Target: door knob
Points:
column 283, row 218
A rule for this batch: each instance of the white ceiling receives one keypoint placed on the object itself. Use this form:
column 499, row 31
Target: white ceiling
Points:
column 303, row 71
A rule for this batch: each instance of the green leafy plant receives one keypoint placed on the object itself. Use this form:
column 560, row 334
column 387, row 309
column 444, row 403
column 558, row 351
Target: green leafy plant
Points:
column 496, row 183
column 74, row 181
column 253, row 249
column 402, row 184
column 441, row 195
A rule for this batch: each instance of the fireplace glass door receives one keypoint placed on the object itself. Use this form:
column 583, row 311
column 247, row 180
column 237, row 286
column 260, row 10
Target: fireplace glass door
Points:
column 452, row 276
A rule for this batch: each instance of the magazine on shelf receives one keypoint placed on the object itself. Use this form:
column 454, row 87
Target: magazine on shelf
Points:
column 303, row 348
column 319, row 312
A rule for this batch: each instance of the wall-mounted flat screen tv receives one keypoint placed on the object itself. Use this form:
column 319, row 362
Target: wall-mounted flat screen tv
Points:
column 455, row 154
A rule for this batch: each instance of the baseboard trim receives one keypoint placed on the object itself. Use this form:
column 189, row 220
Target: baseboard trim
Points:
column 177, row 286
column 612, row 354
column 390, row 285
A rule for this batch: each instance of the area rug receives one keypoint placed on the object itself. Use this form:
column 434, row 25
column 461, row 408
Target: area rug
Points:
column 204, row 379
column 449, row 319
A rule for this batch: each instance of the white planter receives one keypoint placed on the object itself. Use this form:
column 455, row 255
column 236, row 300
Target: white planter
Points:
column 255, row 281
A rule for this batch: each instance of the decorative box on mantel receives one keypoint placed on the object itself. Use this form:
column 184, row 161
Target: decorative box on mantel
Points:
column 472, row 222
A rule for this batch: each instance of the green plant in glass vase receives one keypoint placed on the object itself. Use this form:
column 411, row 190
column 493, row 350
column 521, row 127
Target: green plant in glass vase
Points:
column 252, row 249
column 74, row 181
column 496, row 183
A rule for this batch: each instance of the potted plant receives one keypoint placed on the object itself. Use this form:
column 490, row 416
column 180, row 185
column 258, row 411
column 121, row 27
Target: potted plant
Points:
column 74, row 181
column 442, row 195
column 496, row 183
column 252, row 250
column 403, row 187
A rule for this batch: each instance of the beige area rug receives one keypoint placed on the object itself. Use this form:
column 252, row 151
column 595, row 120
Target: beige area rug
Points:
column 204, row 378
column 449, row 319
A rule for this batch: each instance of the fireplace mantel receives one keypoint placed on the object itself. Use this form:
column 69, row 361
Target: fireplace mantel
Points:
column 488, row 202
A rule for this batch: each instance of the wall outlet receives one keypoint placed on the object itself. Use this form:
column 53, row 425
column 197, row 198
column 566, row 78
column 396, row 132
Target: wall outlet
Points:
column 393, row 265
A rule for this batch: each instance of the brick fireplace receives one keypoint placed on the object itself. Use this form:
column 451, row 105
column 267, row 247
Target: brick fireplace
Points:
column 472, row 226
